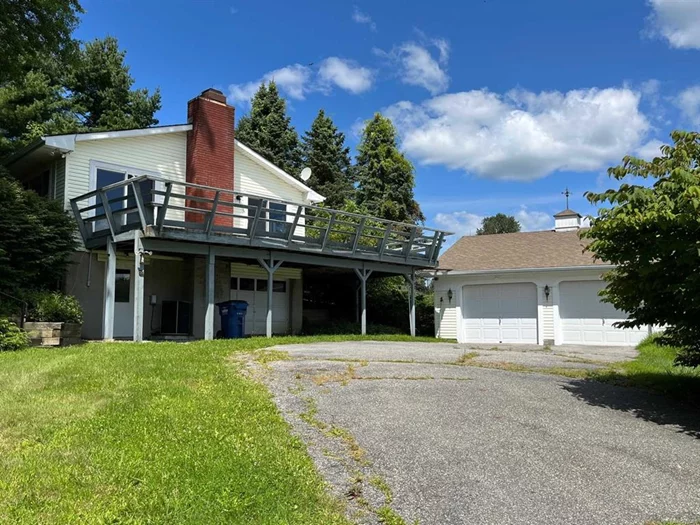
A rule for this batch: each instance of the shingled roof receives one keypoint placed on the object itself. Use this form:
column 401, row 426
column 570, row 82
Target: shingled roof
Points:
column 512, row 251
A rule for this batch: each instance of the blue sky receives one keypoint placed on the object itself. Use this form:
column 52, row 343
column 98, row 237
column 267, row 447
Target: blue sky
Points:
column 500, row 104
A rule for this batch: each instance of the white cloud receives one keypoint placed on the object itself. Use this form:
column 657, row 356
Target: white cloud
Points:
column 417, row 66
column 294, row 81
column 466, row 223
column 522, row 135
column 459, row 222
column 531, row 221
column 649, row 150
column 678, row 21
column 363, row 18
column 345, row 74
column 297, row 81
column 689, row 103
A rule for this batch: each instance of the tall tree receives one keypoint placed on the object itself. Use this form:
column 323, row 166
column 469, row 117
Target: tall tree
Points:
column 385, row 177
column 32, row 31
column 652, row 236
column 268, row 130
column 499, row 223
column 324, row 151
column 102, row 94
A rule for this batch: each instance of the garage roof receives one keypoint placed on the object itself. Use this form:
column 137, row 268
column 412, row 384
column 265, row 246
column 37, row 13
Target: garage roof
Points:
column 511, row 251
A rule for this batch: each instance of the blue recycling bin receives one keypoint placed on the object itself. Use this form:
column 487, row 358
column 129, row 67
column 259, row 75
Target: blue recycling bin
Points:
column 233, row 318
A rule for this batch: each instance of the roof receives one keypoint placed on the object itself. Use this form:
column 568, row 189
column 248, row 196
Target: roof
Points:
column 66, row 143
column 567, row 213
column 517, row 251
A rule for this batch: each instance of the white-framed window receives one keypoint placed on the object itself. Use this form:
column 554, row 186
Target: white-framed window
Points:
column 106, row 173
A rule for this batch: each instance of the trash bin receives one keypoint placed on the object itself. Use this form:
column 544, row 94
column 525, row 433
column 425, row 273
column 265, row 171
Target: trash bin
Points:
column 233, row 318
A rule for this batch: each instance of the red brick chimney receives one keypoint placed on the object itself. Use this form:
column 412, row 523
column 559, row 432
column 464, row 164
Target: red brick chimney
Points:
column 210, row 150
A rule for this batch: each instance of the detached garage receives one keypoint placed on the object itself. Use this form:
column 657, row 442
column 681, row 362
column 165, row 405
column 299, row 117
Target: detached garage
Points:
column 528, row 287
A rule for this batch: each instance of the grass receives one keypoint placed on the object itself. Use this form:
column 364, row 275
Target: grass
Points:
column 152, row 433
column 653, row 369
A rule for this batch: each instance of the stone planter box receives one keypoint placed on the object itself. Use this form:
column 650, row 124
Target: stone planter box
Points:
column 53, row 334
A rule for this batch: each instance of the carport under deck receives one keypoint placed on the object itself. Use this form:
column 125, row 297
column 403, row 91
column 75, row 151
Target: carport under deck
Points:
column 152, row 215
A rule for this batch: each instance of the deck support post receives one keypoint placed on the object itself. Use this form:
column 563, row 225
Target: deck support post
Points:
column 411, row 281
column 363, row 275
column 271, row 267
column 209, row 275
column 139, row 270
column 108, row 298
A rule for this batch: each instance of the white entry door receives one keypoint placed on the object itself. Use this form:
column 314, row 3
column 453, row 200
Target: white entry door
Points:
column 586, row 320
column 254, row 291
column 124, row 303
column 500, row 313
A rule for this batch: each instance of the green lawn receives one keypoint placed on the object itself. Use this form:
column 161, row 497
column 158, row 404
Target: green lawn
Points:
column 653, row 369
column 150, row 433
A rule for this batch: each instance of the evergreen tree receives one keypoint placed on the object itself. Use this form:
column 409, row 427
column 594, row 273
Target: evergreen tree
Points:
column 102, row 94
column 32, row 31
column 385, row 177
column 324, row 151
column 268, row 130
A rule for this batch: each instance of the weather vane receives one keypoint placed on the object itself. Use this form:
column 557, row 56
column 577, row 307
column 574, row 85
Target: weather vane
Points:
column 566, row 193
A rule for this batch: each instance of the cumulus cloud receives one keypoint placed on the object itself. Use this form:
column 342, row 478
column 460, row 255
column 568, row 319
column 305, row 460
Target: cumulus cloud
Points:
column 418, row 67
column 649, row 150
column 294, row 81
column 466, row 223
column 522, row 135
column 297, row 81
column 363, row 18
column 688, row 101
column 678, row 21
column 346, row 74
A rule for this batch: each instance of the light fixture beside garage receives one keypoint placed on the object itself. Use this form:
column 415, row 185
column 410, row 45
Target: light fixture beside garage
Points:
column 449, row 295
column 546, row 292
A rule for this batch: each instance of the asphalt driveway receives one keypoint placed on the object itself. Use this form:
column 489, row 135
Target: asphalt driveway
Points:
column 399, row 424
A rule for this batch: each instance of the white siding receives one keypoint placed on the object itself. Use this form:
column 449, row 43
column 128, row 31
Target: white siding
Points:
column 256, row 272
column 548, row 322
column 164, row 154
column 445, row 316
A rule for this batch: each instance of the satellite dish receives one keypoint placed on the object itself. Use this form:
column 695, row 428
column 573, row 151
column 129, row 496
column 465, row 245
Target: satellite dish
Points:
column 305, row 174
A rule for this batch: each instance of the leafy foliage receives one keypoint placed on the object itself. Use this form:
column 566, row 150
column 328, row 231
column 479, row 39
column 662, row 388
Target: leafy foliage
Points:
column 36, row 239
column 499, row 223
column 55, row 307
column 385, row 177
column 92, row 91
column 32, row 31
column 324, row 151
column 652, row 235
column 12, row 337
column 102, row 94
column 268, row 130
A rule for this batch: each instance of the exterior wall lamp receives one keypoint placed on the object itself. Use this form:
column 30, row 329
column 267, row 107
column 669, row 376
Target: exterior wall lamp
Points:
column 449, row 295
column 546, row 292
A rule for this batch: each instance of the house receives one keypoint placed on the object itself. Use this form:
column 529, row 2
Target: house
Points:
column 528, row 287
column 174, row 219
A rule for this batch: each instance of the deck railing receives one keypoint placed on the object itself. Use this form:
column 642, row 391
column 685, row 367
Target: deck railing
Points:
column 166, row 208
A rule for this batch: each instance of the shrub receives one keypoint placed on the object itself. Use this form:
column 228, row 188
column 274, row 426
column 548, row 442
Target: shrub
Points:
column 55, row 307
column 12, row 337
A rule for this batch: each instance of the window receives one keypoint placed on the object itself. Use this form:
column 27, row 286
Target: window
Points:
column 279, row 286
column 40, row 184
column 246, row 284
column 262, row 285
column 234, row 283
column 278, row 217
column 122, row 286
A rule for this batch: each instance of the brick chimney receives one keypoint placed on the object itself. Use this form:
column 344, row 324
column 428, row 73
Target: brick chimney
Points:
column 210, row 150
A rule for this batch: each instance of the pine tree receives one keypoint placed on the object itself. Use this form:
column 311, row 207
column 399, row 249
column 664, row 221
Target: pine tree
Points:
column 102, row 94
column 268, row 130
column 324, row 151
column 385, row 177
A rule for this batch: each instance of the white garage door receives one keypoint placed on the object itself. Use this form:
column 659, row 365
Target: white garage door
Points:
column 255, row 292
column 586, row 320
column 500, row 313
